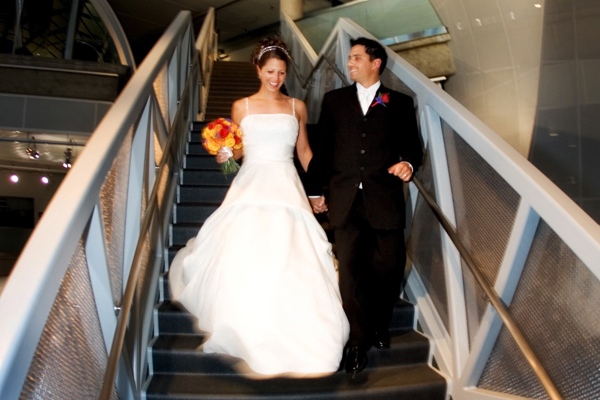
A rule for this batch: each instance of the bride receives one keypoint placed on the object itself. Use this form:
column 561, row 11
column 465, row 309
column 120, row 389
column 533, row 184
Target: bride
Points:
column 259, row 276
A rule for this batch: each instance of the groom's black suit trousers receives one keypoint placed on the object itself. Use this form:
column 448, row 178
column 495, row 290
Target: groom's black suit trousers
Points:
column 371, row 269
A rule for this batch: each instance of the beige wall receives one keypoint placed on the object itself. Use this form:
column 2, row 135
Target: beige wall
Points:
column 496, row 45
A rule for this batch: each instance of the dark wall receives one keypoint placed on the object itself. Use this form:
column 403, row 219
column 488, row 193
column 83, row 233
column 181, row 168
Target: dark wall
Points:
column 566, row 138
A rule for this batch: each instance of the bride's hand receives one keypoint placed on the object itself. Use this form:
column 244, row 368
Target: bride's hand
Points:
column 318, row 204
column 224, row 154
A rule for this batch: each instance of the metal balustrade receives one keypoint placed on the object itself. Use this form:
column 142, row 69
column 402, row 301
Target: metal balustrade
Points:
column 79, row 300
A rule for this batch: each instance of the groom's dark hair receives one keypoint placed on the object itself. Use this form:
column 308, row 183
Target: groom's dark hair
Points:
column 373, row 49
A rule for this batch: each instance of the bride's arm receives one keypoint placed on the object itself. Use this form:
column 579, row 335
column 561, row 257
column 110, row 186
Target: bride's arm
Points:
column 302, row 147
column 237, row 112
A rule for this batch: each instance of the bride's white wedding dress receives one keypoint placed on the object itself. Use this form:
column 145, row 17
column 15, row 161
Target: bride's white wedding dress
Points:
column 260, row 276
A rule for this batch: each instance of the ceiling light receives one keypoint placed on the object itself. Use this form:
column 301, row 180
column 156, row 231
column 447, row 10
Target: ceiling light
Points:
column 68, row 158
column 14, row 178
column 32, row 152
column 44, row 179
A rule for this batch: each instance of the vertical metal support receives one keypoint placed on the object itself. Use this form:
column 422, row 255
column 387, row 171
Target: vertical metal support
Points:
column 18, row 40
column 70, row 40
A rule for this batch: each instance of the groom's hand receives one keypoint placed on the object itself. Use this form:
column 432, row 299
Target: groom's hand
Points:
column 318, row 204
column 402, row 170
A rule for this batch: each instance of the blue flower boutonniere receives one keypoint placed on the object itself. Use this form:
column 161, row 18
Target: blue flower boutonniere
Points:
column 382, row 98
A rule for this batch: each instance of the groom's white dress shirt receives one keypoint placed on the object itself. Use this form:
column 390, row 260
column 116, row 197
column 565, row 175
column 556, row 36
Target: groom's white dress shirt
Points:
column 366, row 95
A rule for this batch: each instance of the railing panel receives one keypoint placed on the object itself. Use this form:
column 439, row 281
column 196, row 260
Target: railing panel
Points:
column 482, row 199
column 72, row 344
column 424, row 247
column 556, row 304
column 56, row 341
column 112, row 200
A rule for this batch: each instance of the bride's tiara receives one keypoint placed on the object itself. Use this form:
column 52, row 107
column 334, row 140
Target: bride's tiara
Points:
column 269, row 48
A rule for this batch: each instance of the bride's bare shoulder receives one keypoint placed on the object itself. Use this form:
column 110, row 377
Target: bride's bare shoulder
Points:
column 238, row 109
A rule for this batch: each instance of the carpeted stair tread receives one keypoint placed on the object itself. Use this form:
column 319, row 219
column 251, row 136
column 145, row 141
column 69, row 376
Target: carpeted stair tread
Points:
column 191, row 193
column 412, row 382
column 180, row 353
column 179, row 370
column 401, row 318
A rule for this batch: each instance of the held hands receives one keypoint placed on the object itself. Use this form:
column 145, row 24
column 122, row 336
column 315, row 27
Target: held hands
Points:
column 402, row 170
column 318, row 204
column 224, row 154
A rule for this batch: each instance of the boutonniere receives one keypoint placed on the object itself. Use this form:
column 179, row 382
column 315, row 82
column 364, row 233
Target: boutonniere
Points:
column 382, row 98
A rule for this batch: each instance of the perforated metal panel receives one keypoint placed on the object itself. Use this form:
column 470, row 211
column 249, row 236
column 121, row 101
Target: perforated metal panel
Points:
column 393, row 82
column 424, row 247
column 113, row 197
column 70, row 359
column 485, row 207
column 557, row 306
column 161, row 90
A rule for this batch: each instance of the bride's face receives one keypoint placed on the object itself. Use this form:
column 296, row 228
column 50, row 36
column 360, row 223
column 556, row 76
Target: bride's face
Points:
column 272, row 74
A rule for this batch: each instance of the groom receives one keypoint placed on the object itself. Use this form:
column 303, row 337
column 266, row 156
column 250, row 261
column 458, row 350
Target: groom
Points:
column 367, row 146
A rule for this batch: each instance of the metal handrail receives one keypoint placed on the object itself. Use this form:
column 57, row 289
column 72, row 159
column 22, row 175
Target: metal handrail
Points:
column 136, row 266
column 491, row 294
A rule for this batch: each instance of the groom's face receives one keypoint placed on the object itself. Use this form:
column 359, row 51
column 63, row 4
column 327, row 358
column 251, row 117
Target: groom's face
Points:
column 362, row 69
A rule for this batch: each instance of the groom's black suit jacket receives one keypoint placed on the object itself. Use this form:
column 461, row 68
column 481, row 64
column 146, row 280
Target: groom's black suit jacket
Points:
column 351, row 148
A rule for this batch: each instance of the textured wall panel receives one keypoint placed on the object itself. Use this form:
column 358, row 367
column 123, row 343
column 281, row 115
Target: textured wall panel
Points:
column 113, row 196
column 485, row 207
column 424, row 247
column 556, row 305
column 162, row 94
column 70, row 360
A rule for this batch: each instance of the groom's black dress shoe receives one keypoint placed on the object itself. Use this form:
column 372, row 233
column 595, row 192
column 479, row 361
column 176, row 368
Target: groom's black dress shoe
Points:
column 356, row 359
column 381, row 340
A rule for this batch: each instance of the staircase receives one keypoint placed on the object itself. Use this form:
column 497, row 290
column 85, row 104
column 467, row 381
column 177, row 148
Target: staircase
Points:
column 181, row 372
column 230, row 81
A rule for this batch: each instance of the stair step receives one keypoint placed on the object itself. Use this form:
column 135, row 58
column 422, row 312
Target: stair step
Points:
column 173, row 320
column 196, row 193
column 181, row 233
column 208, row 177
column 180, row 354
column 196, row 148
column 415, row 382
column 192, row 213
column 200, row 161
column 170, row 314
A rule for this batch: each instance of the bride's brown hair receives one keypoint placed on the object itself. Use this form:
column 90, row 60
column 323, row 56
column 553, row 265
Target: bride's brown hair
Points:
column 270, row 47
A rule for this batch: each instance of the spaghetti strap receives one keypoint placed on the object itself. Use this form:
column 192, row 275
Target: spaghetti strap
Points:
column 247, row 108
column 293, row 107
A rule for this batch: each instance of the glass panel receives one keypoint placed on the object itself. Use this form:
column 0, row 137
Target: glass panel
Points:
column 42, row 31
column 391, row 21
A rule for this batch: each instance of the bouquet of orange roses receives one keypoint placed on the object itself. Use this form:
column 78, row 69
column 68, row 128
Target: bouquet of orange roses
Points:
column 223, row 134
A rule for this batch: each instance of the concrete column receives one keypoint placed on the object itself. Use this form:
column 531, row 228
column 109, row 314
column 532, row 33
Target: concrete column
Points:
column 293, row 8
